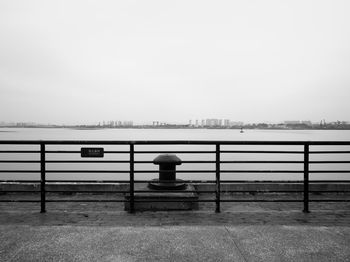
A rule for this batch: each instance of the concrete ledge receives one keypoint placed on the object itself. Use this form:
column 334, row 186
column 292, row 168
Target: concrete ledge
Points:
column 101, row 187
column 97, row 187
column 290, row 186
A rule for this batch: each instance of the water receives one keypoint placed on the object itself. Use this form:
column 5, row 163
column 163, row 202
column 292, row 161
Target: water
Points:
column 170, row 134
column 175, row 134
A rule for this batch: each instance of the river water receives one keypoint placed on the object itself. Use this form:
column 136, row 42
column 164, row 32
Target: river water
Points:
column 176, row 134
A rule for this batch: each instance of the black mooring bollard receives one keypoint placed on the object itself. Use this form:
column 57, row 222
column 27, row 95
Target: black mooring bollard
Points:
column 167, row 173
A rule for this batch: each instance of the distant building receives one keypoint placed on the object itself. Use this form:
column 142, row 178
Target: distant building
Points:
column 236, row 123
column 128, row 123
column 294, row 122
column 308, row 123
column 298, row 122
column 212, row 122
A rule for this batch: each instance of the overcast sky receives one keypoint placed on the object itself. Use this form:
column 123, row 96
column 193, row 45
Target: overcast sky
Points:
column 89, row 61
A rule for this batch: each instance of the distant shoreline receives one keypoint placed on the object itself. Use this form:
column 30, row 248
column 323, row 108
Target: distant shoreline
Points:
column 179, row 127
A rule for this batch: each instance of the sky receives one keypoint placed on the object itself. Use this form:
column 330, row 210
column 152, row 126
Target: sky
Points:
column 77, row 62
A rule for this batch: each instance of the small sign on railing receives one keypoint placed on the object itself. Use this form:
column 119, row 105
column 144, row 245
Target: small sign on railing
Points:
column 92, row 152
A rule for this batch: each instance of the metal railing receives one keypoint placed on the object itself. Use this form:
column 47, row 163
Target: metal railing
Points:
column 217, row 152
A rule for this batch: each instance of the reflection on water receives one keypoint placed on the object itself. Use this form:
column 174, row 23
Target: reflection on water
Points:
column 174, row 134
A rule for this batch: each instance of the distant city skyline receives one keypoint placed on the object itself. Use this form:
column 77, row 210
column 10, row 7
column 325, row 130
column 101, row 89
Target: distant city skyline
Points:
column 76, row 62
column 209, row 122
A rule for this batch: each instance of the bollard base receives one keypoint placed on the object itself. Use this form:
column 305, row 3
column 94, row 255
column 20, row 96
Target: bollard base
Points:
column 150, row 200
column 159, row 185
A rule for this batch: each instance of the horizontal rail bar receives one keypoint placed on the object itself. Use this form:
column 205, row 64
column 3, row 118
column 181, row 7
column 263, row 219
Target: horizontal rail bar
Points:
column 172, row 191
column 98, row 181
column 262, row 200
column 117, row 200
column 19, row 191
column 207, row 200
column 117, row 191
column 180, row 152
column 19, row 161
column 19, row 181
column 19, row 151
column 182, row 161
column 19, row 171
column 63, row 142
column 174, row 152
column 329, row 162
column 261, row 191
column 170, row 201
column 127, row 181
column 328, row 181
column 169, row 171
column 285, row 191
column 86, row 200
column 87, row 191
column 261, row 171
column 185, row 181
column 329, row 200
column 329, row 152
column 262, row 181
column 261, row 152
column 261, row 162
column 204, row 200
column 62, row 151
column 78, row 152
column 329, row 191
column 329, row 171
column 116, row 152
column 87, row 161
column 177, row 171
column 19, row 200
column 87, row 171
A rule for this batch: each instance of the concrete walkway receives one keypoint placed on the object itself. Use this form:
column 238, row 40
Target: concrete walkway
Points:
column 241, row 232
column 174, row 243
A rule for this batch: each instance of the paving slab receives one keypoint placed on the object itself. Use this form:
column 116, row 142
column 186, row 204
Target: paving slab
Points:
column 175, row 243
column 292, row 243
column 69, row 243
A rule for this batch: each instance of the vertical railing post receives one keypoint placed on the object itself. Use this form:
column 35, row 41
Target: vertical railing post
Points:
column 131, row 186
column 306, row 178
column 43, row 178
column 217, row 185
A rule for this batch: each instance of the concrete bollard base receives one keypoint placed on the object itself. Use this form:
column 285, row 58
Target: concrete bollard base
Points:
column 176, row 200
